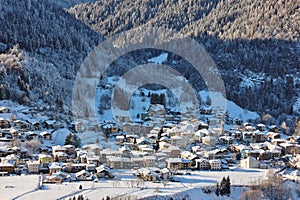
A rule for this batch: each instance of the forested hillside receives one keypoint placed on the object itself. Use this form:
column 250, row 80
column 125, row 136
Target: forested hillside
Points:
column 255, row 44
column 44, row 47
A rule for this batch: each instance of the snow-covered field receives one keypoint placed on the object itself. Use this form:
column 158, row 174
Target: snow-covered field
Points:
column 24, row 186
column 18, row 186
column 233, row 110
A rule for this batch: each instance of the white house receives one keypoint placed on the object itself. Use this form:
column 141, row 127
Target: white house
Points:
column 33, row 166
column 249, row 162
column 215, row 164
column 209, row 140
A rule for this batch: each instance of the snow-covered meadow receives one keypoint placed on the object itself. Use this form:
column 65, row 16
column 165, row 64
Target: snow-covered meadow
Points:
column 25, row 187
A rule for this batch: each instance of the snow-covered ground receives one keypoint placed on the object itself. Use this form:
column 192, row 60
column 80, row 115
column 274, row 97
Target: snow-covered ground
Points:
column 159, row 59
column 18, row 186
column 296, row 107
column 140, row 104
column 233, row 110
column 189, row 185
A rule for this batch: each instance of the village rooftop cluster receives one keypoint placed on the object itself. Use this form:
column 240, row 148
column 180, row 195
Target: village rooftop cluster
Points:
column 158, row 149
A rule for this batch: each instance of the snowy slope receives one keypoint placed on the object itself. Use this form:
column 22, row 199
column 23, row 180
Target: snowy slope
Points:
column 140, row 104
column 234, row 111
column 296, row 106
column 159, row 59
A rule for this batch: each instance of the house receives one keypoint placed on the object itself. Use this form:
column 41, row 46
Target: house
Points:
column 55, row 178
column 36, row 125
column 30, row 135
column 123, row 118
column 171, row 151
column 3, row 152
column 43, row 158
column 261, row 127
column 96, row 149
column 247, row 136
column 215, row 164
column 202, row 125
column 275, row 153
column 24, row 153
column 202, row 164
column 290, row 148
column 149, row 161
column 46, row 135
column 136, row 128
column 157, row 111
column 93, row 160
column 79, row 128
column 60, row 157
column 146, row 128
column 178, row 163
column 198, row 136
column 137, row 162
column 58, row 148
column 249, row 162
column 178, row 141
column 70, row 149
column 50, row 124
column 188, row 136
column 166, row 173
column 83, row 175
column 272, row 135
column 126, row 127
column 74, row 167
column 120, row 139
column 258, row 136
column 209, row 140
column 54, row 168
column 90, row 167
column 148, row 175
column 265, row 155
column 278, row 141
column 144, row 141
column 255, row 153
column 33, row 166
column 273, row 128
column 174, row 163
column 4, row 109
column 7, row 166
column 21, row 125
column 13, row 158
column 110, row 128
column 207, row 110
column 4, row 123
column 14, row 133
column 104, row 171
column 226, row 140
column 119, row 162
column 131, row 138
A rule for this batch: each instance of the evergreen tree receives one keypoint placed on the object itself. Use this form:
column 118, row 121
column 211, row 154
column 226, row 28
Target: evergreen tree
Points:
column 223, row 186
column 217, row 189
column 73, row 139
column 228, row 185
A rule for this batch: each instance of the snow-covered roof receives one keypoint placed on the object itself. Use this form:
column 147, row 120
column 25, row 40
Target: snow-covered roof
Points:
column 176, row 137
column 44, row 133
column 33, row 162
column 61, row 154
column 54, row 165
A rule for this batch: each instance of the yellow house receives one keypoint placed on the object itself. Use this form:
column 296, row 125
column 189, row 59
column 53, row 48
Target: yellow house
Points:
column 45, row 158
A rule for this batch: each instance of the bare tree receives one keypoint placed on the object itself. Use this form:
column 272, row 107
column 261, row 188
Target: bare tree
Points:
column 32, row 145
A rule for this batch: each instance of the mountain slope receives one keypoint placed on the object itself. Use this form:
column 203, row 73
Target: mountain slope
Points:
column 249, row 40
column 255, row 44
column 49, row 45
